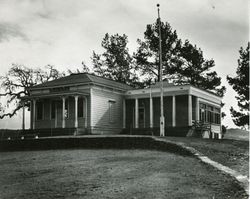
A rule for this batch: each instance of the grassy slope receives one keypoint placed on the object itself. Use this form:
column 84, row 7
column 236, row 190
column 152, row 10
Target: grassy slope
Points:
column 231, row 153
column 110, row 174
column 237, row 134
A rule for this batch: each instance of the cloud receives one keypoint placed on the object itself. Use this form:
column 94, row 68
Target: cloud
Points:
column 9, row 30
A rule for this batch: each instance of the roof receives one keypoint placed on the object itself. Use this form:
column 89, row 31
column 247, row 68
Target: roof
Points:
column 82, row 78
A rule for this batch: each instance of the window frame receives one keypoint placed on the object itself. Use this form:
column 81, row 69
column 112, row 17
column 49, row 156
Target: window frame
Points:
column 66, row 109
column 111, row 107
column 209, row 113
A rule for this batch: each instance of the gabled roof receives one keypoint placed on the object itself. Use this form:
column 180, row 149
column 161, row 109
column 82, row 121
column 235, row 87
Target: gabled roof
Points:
column 82, row 78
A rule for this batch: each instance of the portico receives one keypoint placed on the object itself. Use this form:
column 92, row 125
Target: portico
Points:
column 182, row 107
column 64, row 110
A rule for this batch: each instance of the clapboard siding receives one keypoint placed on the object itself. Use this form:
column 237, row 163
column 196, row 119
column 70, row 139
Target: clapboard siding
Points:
column 100, row 100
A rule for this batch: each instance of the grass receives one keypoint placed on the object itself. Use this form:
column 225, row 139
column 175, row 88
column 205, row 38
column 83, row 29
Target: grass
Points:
column 110, row 174
column 231, row 153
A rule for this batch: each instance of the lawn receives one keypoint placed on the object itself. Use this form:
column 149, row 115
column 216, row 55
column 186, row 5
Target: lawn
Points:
column 231, row 153
column 79, row 173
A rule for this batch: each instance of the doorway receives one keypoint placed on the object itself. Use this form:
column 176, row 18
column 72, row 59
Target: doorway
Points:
column 141, row 117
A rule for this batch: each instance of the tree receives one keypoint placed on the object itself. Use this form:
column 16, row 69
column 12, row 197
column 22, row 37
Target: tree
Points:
column 240, row 84
column 115, row 63
column 16, row 83
column 83, row 69
column 147, row 55
column 192, row 68
column 183, row 63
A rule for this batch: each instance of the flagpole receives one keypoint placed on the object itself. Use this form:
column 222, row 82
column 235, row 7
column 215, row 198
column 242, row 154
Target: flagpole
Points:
column 162, row 119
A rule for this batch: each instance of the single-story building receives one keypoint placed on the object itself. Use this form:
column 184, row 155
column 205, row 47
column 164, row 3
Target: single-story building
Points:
column 88, row 104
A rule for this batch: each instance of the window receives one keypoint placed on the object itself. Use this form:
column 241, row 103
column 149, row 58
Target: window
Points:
column 111, row 111
column 53, row 110
column 39, row 110
column 217, row 116
column 80, row 107
column 203, row 112
column 66, row 108
column 209, row 114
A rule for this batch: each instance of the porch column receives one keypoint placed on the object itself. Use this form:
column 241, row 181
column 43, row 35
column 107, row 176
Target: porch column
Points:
column 136, row 113
column 56, row 114
column 76, row 111
column 173, row 111
column 86, row 112
column 23, row 121
column 151, row 123
column 63, row 112
column 31, row 124
column 34, row 114
column 189, row 110
column 197, row 110
column 124, row 113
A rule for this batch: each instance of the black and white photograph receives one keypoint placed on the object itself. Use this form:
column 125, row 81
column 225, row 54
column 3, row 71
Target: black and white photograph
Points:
column 113, row 99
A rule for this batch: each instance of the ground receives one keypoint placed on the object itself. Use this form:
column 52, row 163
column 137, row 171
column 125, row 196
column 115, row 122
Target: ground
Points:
column 110, row 174
column 228, row 152
column 237, row 134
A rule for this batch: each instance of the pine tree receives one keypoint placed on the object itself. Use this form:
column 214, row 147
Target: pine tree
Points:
column 240, row 84
column 183, row 63
column 147, row 55
column 115, row 62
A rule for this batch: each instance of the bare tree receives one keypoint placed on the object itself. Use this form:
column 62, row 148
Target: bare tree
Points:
column 16, row 83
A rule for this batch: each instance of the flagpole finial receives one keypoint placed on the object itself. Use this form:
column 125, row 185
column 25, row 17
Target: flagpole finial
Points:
column 158, row 8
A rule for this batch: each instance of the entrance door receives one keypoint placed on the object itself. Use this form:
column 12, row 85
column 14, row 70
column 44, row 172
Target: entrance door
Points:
column 58, row 114
column 141, row 117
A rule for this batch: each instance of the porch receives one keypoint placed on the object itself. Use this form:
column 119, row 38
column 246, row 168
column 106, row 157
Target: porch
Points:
column 51, row 113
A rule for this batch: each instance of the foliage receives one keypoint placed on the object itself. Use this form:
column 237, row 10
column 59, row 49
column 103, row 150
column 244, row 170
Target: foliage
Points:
column 147, row 55
column 193, row 68
column 84, row 69
column 240, row 84
column 16, row 83
column 183, row 63
column 115, row 63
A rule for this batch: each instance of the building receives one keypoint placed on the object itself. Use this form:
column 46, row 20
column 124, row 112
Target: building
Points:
column 87, row 104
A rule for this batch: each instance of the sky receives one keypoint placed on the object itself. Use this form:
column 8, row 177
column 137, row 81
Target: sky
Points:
column 65, row 33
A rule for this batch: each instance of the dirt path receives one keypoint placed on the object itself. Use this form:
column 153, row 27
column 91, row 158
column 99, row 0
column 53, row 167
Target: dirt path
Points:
column 110, row 174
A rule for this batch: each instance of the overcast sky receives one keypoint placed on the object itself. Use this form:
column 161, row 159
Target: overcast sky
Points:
column 64, row 33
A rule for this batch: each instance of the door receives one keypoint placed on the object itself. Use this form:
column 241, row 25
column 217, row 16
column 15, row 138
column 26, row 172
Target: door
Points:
column 58, row 119
column 141, row 117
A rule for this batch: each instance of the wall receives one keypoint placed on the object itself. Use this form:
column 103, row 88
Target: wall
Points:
column 130, row 104
column 101, row 123
column 167, row 106
column 181, row 110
